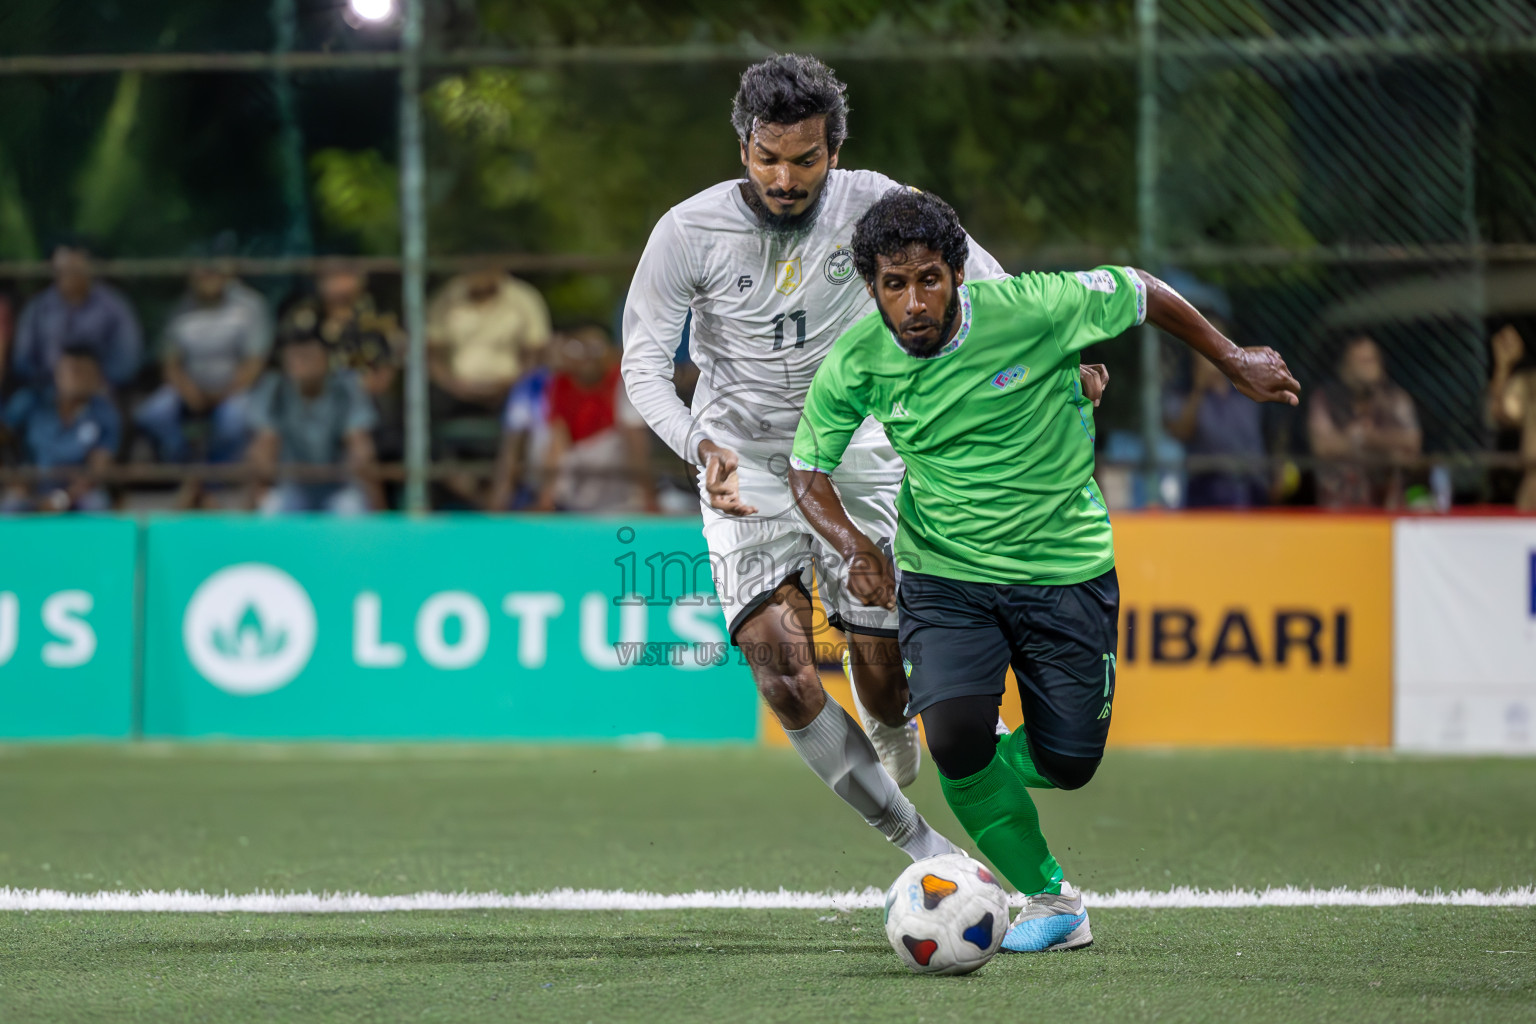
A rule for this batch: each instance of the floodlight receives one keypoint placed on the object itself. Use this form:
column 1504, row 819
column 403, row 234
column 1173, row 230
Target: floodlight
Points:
column 372, row 11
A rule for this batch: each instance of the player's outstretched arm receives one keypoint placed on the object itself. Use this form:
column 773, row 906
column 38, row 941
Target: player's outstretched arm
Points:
column 871, row 579
column 1257, row 372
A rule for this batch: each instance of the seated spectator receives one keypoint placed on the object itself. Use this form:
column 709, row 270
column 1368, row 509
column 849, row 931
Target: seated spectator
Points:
column 524, row 442
column 216, row 344
column 359, row 338
column 1361, row 423
column 598, row 458
column 484, row 330
column 309, row 414
column 69, row 426
column 76, row 312
column 1214, row 418
column 1512, row 404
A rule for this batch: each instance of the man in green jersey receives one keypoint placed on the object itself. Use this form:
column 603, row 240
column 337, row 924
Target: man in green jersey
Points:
column 1004, row 554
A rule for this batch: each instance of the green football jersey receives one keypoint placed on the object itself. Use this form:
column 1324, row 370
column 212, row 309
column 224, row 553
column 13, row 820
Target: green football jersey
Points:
column 994, row 428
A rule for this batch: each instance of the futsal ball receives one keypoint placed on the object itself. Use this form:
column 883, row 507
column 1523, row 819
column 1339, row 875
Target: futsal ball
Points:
column 946, row 915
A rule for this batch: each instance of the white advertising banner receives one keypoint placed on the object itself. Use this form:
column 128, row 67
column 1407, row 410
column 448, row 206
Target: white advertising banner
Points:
column 1464, row 610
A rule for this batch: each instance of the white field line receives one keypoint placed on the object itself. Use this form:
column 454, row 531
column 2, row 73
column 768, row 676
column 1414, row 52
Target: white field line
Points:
column 1181, row 898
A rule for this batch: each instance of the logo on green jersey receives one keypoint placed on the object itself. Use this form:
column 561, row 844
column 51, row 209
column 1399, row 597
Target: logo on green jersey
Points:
column 1097, row 281
column 1009, row 377
column 899, row 411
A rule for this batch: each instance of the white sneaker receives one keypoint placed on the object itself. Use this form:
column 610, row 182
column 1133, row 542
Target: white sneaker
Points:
column 899, row 746
column 1050, row 921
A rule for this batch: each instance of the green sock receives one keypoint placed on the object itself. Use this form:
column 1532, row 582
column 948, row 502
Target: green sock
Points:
column 995, row 809
column 1015, row 750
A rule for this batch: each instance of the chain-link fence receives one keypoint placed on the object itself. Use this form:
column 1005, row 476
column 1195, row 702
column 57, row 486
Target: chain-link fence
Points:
column 1311, row 172
column 1356, row 169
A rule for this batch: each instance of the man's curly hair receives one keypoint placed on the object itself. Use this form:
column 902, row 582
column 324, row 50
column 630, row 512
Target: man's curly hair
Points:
column 787, row 89
column 904, row 217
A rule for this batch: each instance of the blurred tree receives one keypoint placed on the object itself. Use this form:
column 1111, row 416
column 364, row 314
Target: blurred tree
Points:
column 1230, row 174
column 791, row 23
column 112, row 181
column 358, row 192
column 584, row 158
column 17, row 239
column 1039, row 157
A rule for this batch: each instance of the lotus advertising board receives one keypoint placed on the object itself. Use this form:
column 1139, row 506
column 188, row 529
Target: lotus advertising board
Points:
column 66, row 627
column 443, row 628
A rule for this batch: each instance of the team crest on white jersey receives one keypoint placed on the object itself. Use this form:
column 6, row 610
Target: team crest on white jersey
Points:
column 839, row 266
column 787, row 275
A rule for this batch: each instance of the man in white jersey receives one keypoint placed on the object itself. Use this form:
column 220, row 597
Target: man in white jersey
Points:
column 765, row 267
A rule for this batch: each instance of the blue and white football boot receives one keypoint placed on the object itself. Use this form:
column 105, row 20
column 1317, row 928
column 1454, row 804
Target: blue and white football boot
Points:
column 1050, row 921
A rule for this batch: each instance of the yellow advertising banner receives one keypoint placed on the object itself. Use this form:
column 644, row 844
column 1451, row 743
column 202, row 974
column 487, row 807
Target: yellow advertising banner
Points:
column 1242, row 630
column 1254, row 630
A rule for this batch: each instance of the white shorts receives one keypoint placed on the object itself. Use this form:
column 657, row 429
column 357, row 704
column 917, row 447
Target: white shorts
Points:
column 751, row 557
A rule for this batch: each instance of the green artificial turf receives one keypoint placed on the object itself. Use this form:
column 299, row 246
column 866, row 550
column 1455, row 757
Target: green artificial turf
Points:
column 1400, row 964
column 394, row 820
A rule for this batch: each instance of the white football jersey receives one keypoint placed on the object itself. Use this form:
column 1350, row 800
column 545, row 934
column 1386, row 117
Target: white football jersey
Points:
column 767, row 306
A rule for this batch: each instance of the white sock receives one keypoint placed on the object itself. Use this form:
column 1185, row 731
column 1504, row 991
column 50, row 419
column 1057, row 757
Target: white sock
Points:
column 837, row 750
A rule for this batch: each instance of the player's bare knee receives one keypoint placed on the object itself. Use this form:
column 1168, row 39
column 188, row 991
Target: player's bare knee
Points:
column 793, row 692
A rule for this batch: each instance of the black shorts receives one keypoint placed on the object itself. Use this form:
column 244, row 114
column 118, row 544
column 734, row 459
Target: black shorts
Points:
column 960, row 638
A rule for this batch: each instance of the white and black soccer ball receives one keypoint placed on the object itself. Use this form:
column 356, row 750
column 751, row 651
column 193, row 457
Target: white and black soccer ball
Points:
column 946, row 915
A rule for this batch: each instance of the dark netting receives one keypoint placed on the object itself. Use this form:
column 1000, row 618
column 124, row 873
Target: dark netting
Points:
column 1310, row 170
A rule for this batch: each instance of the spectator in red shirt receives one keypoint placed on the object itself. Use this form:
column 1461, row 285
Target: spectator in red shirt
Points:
column 598, row 459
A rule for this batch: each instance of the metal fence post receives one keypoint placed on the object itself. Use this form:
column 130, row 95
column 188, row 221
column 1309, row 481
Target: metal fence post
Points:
column 296, row 238
column 1146, row 240
column 413, row 238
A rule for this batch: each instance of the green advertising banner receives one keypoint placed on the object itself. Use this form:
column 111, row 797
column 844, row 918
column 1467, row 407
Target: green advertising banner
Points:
column 66, row 627
column 448, row 627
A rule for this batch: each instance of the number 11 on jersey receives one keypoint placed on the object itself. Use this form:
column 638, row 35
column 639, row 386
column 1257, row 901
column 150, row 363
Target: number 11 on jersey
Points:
column 798, row 316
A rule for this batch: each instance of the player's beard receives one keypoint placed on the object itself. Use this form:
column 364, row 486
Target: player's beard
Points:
column 780, row 222
column 951, row 312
